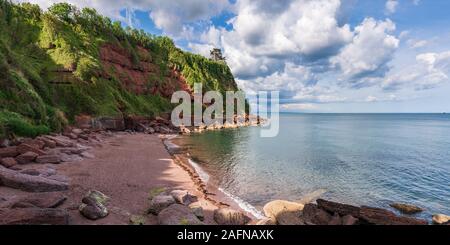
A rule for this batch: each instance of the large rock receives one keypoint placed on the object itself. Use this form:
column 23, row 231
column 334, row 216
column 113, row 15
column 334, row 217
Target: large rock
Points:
column 53, row 158
column 13, row 179
column 406, row 208
column 70, row 158
column 183, row 197
column 26, row 157
column 312, row 214
column 197, row 210
column 24, row 148
column 41, row 200
column 9, row 151
column 8, row 162
column 93, row 205
column 228, row 216
column 284, row 212
column 378, row 216
column 440, row 219
column 177, row 214
column 349, row 220
column 341, row 209
column 34, row 216
column 160, row 202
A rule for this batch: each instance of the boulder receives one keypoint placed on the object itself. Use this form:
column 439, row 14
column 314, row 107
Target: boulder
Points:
column 25, row 148
column 8, row 162
column 177, row 214
column 289, row 218
column 49, row 143
column 266, row 221
column 34, row 216
column 160, row 202
column 36, row 143
column 335, row 220
column 406, row 208
column 9, row 151
column 137, row 220
column 341, row 209
column 440, row 219
column 87, row 155
column 30, row 171
column 312, row 214
column 93, row 205
column 60, row 141
column 26, row 157
column 197, row 210
column 53, row 158
column 349, row 220
column 29, row 183
column 183, row 197
column 77, row 131
column 274, row 208
column 41, row 200
column 378, row 216
column 228, row 216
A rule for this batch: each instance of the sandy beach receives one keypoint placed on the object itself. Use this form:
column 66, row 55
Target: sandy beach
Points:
column 127, row 167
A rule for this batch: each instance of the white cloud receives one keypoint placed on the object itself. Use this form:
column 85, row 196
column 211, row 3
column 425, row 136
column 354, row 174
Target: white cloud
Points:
column 391, row 6
column 428, row 71
column 369, row 52
column 298, row 107
column 415, row 44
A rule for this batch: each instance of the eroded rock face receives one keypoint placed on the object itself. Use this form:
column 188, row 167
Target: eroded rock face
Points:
column 34, row 216
column 312, row 214
column 29, row 183
column 341, row 209
column 228, row 216
column 406, row 208
column 177, row 214
column 160, row 202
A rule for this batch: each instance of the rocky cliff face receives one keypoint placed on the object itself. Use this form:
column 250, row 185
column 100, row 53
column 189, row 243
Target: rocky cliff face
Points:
column 60, row 64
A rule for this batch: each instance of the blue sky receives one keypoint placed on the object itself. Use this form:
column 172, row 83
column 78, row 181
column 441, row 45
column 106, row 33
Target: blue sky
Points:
column 322, row 55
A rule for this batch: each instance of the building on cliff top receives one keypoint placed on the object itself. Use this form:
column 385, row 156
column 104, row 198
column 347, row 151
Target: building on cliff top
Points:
column 216, row 55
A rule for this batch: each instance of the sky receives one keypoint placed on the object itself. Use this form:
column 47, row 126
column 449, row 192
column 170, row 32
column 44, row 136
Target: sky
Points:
column 322, row 55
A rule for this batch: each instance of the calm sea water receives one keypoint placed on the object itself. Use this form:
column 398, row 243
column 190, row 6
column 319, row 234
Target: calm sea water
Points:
column 361, row 159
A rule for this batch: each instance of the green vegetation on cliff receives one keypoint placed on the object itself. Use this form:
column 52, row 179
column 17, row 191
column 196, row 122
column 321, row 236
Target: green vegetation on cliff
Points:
column 51, row 68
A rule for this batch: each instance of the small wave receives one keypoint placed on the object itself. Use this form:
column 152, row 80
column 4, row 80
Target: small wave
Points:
column 202, row 174
column 243, row 204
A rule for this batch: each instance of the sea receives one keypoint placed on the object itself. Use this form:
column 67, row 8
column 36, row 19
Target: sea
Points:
column 358, row 159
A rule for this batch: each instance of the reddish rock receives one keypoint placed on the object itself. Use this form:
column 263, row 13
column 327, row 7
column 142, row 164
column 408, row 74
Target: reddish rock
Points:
column 8, row 162
column 48, row 159
column 9, row 151
column 378, row 216
column 41, row 200
column 341, row 209
column 26, row 157
column 335, row 220
column 349, row 220
column 37, row 143
column 311, row 214
column 49, row 143
column 34, row 216
column 14, row 179
column 24, row 148
column 83, row 121
column 406, row 208
column 177, row 214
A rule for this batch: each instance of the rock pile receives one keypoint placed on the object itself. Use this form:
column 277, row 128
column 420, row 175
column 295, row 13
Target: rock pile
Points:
column 179, row 207
column 332, row 213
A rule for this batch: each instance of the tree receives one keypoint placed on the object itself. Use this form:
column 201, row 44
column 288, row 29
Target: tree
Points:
column 63, row 11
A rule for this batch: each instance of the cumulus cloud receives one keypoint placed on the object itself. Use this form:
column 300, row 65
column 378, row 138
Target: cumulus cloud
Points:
column 428, row 71
column 369, row 52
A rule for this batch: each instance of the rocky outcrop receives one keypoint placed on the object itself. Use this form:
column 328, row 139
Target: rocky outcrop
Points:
column 183, row 197
column 41, row 200
column 378, row 216
column 284, row 212
column 17, row 180
column 228, row 216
